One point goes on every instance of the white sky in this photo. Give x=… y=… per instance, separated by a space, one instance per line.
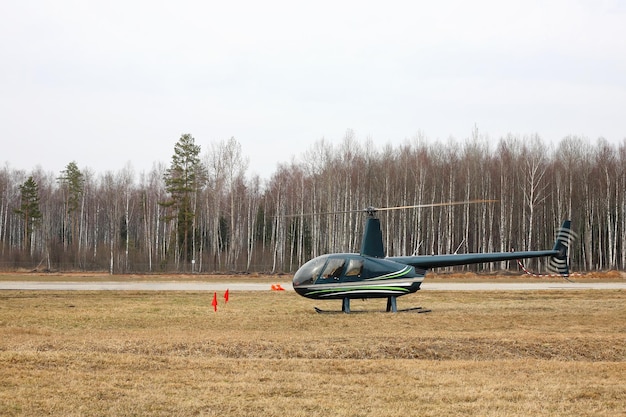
x=104 y=83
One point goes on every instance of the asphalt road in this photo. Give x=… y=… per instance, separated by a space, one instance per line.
x=240 y=286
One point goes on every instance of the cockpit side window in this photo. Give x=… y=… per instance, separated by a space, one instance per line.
x=355 y=266
x=333 y=268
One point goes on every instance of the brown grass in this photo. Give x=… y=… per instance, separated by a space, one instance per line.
x=268 y=353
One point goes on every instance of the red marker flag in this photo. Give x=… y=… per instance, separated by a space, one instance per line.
x=214 y=303
x=226 y=296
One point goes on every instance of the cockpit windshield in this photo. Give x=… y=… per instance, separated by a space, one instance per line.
x=308 y=273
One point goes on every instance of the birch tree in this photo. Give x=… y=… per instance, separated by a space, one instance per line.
x=533 y=169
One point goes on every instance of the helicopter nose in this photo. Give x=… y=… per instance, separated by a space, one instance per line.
x=301 y=277
x=298 y=287
x=296 y=281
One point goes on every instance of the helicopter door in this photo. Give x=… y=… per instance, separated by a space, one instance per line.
x=332 y=271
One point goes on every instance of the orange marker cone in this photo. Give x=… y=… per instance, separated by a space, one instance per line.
x=226 y=296
x=214 y=303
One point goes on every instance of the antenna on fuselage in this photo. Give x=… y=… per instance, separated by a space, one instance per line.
x=459 y=247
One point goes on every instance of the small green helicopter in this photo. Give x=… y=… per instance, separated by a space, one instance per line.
x=370 y=274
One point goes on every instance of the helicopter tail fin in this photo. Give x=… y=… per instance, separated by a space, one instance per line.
x=564 y=237
x=372 y=244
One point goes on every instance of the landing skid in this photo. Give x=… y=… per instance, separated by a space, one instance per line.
x=392 y=306
x=402 y=310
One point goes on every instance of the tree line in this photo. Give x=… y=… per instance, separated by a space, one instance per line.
x=203 y=213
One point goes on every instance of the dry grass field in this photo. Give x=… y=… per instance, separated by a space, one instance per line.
x=542 y=353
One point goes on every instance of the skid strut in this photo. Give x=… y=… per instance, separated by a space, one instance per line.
x=345 y=305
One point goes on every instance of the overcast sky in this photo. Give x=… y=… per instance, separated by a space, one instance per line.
x=107 y=82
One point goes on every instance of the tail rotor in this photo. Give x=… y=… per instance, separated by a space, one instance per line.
x=558 y=263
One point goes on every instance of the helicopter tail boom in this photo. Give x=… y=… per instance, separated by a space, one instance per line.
x=557 y=262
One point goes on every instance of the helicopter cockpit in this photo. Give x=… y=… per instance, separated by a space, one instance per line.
x=329 y=268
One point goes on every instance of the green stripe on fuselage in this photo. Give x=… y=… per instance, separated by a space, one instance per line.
x=359 y=288
x=392 y=275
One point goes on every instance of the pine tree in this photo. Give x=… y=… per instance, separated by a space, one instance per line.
x=183 y=179
x=73 y=182
x=29 y=209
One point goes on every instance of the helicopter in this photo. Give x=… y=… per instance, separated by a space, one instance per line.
x=372 y=274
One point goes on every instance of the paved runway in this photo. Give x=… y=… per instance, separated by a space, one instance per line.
x=240 y=286
x=138 y=286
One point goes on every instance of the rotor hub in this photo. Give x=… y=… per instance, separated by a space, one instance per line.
x=371 y=211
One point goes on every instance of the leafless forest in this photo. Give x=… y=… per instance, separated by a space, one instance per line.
x=127 y=222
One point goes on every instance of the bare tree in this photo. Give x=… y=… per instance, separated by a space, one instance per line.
x=534 y=164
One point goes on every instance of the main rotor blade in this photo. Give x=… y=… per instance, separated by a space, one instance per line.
x=324 y=213
x=372 y=210
x=451 y=203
